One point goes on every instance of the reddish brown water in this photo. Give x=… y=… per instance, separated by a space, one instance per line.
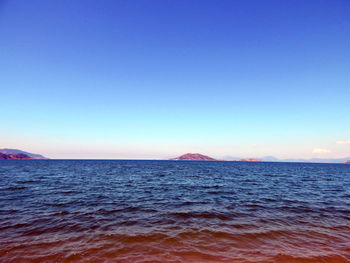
x=160 y=211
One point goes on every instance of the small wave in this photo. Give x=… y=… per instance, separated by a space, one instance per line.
x=203 y=215
x=312 y=259
x=61 y=213
x=17 y=188
x=131 y=209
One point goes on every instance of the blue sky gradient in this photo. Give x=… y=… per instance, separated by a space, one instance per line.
x=155 y=79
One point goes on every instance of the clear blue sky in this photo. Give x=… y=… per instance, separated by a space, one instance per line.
x=155 y=79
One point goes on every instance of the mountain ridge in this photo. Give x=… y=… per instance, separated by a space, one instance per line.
x=19 y=154
x=201 y=157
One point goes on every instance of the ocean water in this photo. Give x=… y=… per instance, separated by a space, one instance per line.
x=173 y=211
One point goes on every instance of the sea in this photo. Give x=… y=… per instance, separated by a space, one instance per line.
x=173 y=211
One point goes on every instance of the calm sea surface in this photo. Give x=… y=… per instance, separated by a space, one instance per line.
x=173 y=211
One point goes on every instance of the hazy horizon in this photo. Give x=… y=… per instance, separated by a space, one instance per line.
x=157 y=79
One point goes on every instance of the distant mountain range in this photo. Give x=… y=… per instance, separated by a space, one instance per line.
x=249 y=160
x=302 y=160
x=201 y=157
x=19 y=155
x=14 y=154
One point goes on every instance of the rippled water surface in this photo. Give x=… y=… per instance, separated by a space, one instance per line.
x=169 y=211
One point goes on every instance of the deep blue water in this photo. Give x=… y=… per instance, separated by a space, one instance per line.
x=173 y=211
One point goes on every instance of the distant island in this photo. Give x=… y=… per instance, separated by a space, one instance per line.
x=14 y=154
x=201 y=157
x=193 y=157
x=250 y=160
x=347 y=162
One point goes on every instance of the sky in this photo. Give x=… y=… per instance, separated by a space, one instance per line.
x=153 y=79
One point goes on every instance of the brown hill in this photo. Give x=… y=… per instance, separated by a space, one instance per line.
x=16 y=152
x=193 y=157
x=19 y=156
